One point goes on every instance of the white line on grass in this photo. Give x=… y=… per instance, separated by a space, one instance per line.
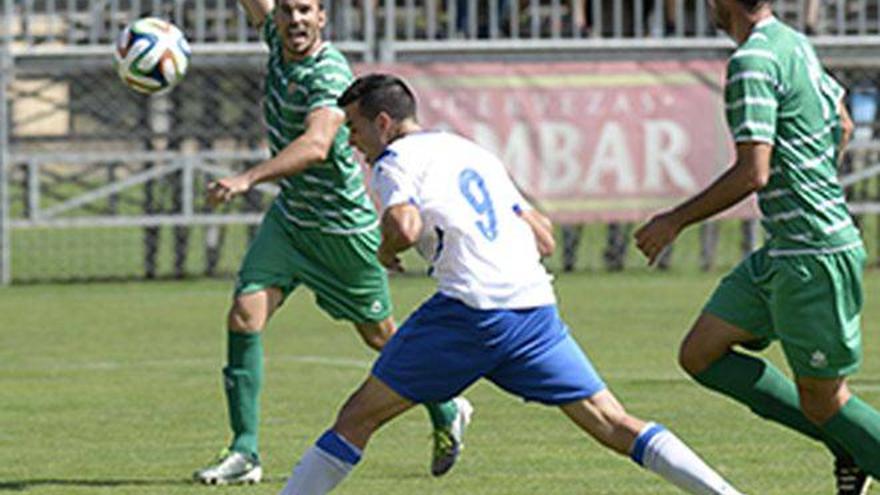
x=55 y=365
x=336 y=362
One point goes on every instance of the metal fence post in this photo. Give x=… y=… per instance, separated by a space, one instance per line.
x=369 y=24
x=5 y=161
x=386 y=49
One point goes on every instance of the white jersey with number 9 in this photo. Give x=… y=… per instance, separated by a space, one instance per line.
x=481 y=252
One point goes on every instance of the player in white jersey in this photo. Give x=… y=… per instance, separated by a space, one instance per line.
x=447 y=176
x=494 y=314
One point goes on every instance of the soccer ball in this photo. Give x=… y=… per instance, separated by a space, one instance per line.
x=151 y=55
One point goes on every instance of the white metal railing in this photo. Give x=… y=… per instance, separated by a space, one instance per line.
x=166 y=163
x=90 y=22
x=78 y=22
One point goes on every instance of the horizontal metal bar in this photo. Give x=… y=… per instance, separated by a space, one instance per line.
x=864 y=208
x=502 y=45
x=198 y=49
x=861 y=175
x=139 y=221
x=139 y=156
x=104 y=191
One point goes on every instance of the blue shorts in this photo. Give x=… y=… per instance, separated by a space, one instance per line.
x=445 y=346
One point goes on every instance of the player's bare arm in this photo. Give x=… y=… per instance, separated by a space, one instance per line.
x=401 y=228
x=749 y=173
x=542 y=227
x=846 y=129
x=313 y=146
x=257 y=10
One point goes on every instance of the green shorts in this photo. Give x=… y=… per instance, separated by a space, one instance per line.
x=810 y=303
x=342 y=270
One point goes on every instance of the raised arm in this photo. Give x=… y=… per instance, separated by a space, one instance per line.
x=313 y=146
x=257 y=10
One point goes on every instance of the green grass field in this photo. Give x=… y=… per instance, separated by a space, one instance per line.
x=115 y=388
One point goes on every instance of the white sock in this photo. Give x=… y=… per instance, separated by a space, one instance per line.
x=323 y=466
x=660 y=451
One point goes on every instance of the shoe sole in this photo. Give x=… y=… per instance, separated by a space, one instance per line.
x=252 y=477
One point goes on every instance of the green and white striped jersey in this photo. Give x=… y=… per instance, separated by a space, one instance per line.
x=328 y=196
x=777 y=92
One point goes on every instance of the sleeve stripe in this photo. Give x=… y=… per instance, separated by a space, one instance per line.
x=754 y=126
x=332 y=77
x=325 y=102
x=754 y=53
x=754 y=139
x=786 y=215
x=329 y=62
x=752 y=101
x=750 y=75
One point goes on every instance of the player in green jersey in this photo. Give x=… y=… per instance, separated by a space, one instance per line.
x=321 y=231
x=803 y=287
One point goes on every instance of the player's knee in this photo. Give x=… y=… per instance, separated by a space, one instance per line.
x=818 y=409
x=820 y=400
x=820 y=405
x=376 y=335
x=243 y=319
x=375 y=341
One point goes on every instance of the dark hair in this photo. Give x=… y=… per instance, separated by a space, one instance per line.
x=380 y=93
x=752 y=5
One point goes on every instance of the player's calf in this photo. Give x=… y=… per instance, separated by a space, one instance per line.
x=604 y=419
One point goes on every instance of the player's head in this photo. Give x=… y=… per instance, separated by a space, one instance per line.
x=724 y=10
x=299 y=24
x=378 y=109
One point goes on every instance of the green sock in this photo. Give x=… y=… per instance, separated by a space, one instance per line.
x=243 y=376
x=442 y=413
x=857 y=425
x=770 y=394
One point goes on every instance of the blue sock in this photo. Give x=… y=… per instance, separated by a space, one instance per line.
x=340 y=448
x=659 y=450
x=323 y=466
x=638 y=451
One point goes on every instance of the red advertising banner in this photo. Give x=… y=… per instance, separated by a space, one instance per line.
x=588 y=141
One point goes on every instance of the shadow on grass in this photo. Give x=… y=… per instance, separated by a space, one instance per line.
x=23 y=485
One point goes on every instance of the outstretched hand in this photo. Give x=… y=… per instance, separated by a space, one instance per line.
x=223 y=190
x=653 y=237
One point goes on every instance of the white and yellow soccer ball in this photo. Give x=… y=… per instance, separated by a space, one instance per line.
x=151 y=55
